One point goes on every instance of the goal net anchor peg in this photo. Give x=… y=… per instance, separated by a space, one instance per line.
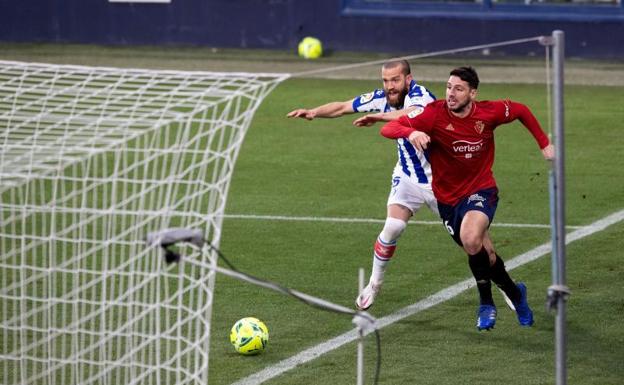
x=169 y=237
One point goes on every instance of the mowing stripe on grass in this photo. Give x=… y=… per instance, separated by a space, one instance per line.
x=435 y=299
x=371 y=220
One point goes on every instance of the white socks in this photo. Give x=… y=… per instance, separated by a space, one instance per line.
x=384 y=247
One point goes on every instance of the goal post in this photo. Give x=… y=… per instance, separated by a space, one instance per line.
x=92 y=160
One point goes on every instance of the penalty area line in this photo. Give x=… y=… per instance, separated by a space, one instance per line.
x=424 y=304
x=371 y=220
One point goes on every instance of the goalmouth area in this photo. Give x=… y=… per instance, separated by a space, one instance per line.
x=329 y=169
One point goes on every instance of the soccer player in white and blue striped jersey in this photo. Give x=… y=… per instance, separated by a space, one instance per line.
x=411 y=179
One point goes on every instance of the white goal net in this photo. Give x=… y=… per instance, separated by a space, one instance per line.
x=92 y=160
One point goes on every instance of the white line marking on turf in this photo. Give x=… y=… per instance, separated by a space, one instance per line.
x=372 y=220
x=435 y=299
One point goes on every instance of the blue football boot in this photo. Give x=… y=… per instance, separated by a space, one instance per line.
x=523 y=311
x=486 y=317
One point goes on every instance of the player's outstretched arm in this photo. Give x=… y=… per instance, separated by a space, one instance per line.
x=526 y=117
x=370 y=119
x=329 y=110
x=394 y=129
x=523 y=113
x=301 y=113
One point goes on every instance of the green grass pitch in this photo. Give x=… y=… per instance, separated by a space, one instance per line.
x=328 y=168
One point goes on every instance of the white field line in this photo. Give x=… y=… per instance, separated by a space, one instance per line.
x=372 y=220
x=435 y=299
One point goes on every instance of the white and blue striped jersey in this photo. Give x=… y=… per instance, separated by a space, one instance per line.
x=412 y=162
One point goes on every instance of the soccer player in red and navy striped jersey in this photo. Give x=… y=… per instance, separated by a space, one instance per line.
x=458 y=135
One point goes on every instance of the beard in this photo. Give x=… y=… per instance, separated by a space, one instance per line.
x=460 y=107
x=400 y=98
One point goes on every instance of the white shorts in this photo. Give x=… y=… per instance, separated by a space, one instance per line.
x=410 y=194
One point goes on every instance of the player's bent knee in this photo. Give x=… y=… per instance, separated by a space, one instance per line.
x=472 y=239
x=385 y=245
x=392 y=230
x=472 y=244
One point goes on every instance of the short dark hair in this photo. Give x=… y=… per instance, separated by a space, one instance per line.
x=401 y=62
x=467 y=74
